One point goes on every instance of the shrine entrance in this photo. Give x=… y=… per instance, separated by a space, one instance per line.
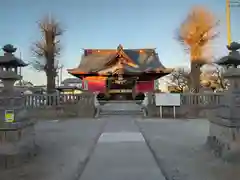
x=121 y=88
x=121 y=96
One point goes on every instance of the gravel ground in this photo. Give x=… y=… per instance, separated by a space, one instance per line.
x=64 y=147
x=180 y=149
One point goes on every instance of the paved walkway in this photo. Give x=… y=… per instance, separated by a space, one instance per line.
x=93 y=149
x=121 y=154
x=63 y=149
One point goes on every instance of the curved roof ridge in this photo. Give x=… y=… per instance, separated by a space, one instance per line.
x=114 y=49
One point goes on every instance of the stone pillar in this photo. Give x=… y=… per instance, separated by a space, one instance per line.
x=151 y=108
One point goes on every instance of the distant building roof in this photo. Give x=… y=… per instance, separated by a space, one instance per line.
x=71 y=80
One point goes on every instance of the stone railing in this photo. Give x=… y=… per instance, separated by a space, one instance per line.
x=201 y=100
x=42 y=101
x=36 y=101
x=192 y=105
x=60 y=106
x=75 y=104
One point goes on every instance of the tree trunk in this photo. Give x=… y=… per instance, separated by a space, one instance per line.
x=51 y=74
x=195 y=76
x=50 y=82
x=50 y=88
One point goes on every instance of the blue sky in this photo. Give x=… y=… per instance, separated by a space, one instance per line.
x=105 y=24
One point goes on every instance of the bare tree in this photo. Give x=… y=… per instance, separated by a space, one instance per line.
x=47 y=50
x=214 y=74
x=179 y=78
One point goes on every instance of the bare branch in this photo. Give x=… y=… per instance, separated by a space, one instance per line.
x=179 y=78
x=47 y=50
x=214 y=74
x=38 y=65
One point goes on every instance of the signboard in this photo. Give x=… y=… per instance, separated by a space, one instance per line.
x=9 y=116
x=167 y=99
x=121 y=83
x=120 y=91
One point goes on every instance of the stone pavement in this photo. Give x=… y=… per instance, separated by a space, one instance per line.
x=64 y=147
x=121 y=154
x=180 y=148
x=113 y=148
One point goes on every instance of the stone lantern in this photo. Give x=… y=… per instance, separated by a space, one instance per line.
x=224 y=134
x=231 y=63
x=230 y=103
x=9 y=65
x=16 y=130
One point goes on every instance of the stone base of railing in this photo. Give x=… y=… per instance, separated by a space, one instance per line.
x=17 y=144
x=62 y=112
x=224 y=139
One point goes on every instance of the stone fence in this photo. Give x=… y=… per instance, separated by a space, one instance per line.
x=43 y=101
x=60 y=106
x=83 y=105
x=193 y=105
x=201 y=100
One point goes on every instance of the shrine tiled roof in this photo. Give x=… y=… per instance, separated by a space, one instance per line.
x=95 y=61
x=144 y=60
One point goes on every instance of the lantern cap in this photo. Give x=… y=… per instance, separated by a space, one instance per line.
x=233 y=58
x=8 y=59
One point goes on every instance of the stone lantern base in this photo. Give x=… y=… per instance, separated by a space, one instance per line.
x=17 y=145
x=17 y=138
x=224 y=130
x=224 y=140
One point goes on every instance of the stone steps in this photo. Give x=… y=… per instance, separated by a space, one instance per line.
x=120 y=108
x=121 y=112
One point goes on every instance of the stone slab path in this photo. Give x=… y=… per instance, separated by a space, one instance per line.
x=63 y=149
x=121 y=154
x=181 y=151
x=113 y=148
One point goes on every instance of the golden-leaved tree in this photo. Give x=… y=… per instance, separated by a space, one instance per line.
x=195 y=32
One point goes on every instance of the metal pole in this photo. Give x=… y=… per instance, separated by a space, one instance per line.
x=57 y=78
x=20 y=69
x=61 y=71
x=228 y=21
x=174 y=112
x=56 y=64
